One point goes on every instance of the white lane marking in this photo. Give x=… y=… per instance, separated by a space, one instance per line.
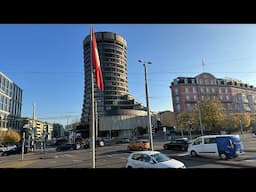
x=76 y=160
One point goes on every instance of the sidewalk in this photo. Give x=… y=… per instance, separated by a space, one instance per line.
x=15 y=161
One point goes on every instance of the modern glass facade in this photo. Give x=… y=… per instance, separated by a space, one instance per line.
x=10 y=103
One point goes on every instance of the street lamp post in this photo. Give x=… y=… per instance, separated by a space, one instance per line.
x=190 y=126
x=147 y=100
x=241 y=126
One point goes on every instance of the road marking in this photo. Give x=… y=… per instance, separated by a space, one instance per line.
x=67 y=155
x=76 y=160
x=250 y=160
x=53 y=162
x=179 y=154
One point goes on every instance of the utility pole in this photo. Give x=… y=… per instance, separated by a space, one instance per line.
x=190 y=126
x=148 y=107
x=33 y=128
x=23 y=145
x=96 y=120
x=241 y=126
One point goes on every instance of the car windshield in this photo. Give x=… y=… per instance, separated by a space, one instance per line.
x=159 y=157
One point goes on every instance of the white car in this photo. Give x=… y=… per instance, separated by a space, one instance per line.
x=152 y=159
x=7 y=147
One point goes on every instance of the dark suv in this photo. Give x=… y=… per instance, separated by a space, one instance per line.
x=180 y=144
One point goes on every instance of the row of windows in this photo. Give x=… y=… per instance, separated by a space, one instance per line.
x=113 y=51
x=115 y=79
x=123 y=61
x=113 y=93
x=114 y=65
x=205 y=82
x=116 y=83
x=203 y=90
x=190 y=107
x=115 y=88
x=111 y=46
x=195 y=98
x=113 y=69
x=87 y=60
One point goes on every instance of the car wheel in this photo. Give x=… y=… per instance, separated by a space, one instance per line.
x=129 y=167
x=165 y=147
x=4 y=154
x=193 y=154
x=141 y=148
x=223 y=156
x=182 y=148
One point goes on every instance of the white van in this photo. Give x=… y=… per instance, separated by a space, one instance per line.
x=222 y=146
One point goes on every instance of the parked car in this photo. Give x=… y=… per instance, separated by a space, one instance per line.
x=152 y=159
x=123 y=140
x=139 y=145
x=16 y=150
x=3 y=148
x=180 y=144
x=66 y=147
x=6 y=147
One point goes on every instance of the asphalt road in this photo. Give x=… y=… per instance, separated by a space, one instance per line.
x=115 y=156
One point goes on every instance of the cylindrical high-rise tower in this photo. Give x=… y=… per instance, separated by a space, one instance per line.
x=115 y=97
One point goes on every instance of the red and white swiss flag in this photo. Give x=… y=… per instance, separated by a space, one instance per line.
x=96 y=61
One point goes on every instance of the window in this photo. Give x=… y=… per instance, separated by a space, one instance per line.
x=197 y=141
x=209 y=140
x=186 y=90
x=187 y=97
x=177 y=99
x=148 y=159
x=176 y=91
x=195 y=97
x=229 y=106
x=137 y=157
x=178 y=108
x=189 y=108
x=194 y=90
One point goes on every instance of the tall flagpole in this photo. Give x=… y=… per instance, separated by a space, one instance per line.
x=92 y=109
x=203 y=64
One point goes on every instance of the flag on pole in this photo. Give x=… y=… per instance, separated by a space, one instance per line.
x=203 y=65
x=96 y=61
